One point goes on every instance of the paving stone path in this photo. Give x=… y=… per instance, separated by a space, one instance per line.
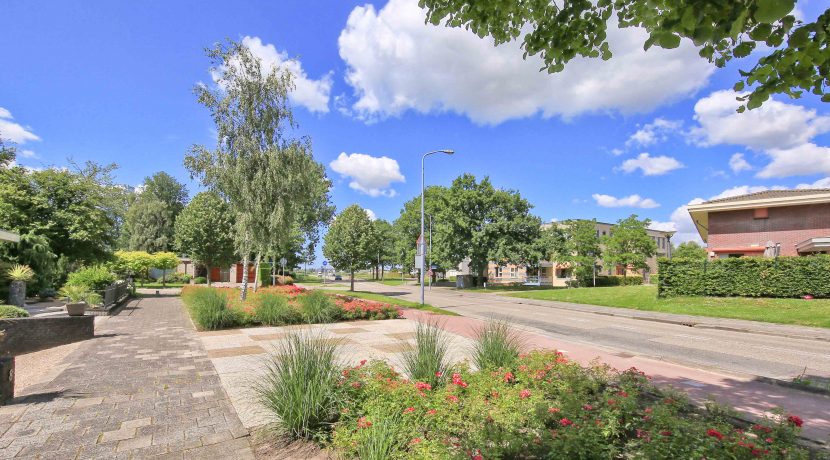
x=144 y=387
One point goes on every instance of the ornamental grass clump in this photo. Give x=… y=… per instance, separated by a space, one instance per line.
x=209 y=309
x=378 y=440
x=10 y=311
x=273 y=309
x=427 y=361
x=300 y=386
x=496 y=345
x=317 y=307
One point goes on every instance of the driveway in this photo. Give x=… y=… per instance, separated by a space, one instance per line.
x=736 y=346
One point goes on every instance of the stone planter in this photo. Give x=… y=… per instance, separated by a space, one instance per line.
x=76 y=308
x=17 y=293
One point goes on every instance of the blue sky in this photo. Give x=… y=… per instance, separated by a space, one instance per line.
x=644 y=133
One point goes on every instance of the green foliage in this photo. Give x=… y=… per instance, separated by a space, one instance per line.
x=689 y=251
x=203 y=231
x=272 y=309
x=152 y=214
x=428 y=360
x=200 y=280
x=619 y=280
x=794 y=57
x=629 y=244
x=497 y=345
x=301 y=385
x=210 y=310
x=543 y=407
x=349 y=242
x=746 y=276
x=80 y=293
x=582 y=249
x=317 y=307
x=97 y=277
x=20 y=273
x=133 y=263
x=10 y=311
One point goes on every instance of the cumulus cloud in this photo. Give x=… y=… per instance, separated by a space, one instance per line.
x=651 y=166
x=654 y=132
x=631 y=201
x=370 y=175
x=14 y=132
x=737 y=163
x=781 y=131
x=372 y=215
x=309 y=93
x=396 y=62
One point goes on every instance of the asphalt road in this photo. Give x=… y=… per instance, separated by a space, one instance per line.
x=739 y=347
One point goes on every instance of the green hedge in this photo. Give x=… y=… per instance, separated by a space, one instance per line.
x=746 y=277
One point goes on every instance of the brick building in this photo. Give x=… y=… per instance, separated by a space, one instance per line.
x=774 y=222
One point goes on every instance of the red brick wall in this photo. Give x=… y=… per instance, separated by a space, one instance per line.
x=786 y=225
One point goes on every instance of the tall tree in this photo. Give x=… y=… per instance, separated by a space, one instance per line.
x=268 y=178
x=629 y=244
x=478 y=222
x=203 y=231
x=690 y=251
x=152 y=214
x=349 y=243
x=384 y=245
x=407 y=227
x=7 y=154
x=794 y=53
x=582 y=249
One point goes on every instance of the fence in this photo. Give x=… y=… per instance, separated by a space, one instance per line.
x=116 y=292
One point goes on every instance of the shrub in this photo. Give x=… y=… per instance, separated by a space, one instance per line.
x=352 y=309
x=427 y=361
x=209 y=309
x=47 y=292
x=746 y=276
x=284 y=280
x=96 y=278
x=317 y=307
x=300 y=385
x=10 y=311
x=21 y=273
x=200 y=280
x=544 y=407
x=273 y=309
x=80 y=293
x=496 y=345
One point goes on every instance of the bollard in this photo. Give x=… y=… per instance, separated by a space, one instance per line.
x=6 y=379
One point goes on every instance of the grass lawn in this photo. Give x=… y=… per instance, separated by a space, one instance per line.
x=503 y=289
x=393 y=281
x=783 y=311
x=394 y=301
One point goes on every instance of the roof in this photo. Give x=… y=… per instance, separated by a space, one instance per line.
x=766 y=199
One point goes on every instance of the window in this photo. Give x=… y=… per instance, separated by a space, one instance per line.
x=497 y=272
x=603 y=233
x=761 y=213
x=514 y=272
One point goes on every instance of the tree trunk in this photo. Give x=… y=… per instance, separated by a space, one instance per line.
x=273 y=273
x=207 y=278
x=256 y=272
x=243 y=294
x=351 y=277
x=163 y=277
x=382 y=272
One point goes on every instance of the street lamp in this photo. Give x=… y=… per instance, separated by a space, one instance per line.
x=422 y=243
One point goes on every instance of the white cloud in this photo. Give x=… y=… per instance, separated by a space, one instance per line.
x=370 y=175
x=396 y=63
x=654 y=132
x=309 y=93
x=28 y=154
x=372 y=215
x=617 y=152
x=737 y=163
x=14 y=132
x=651 y=166
x=631 y=201
x=802 y=160
x=821 y=183
x=774 y=125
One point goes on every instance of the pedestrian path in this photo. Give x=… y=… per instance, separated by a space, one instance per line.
x=143 y=387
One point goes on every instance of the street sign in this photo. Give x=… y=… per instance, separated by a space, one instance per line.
x=283 y=261
x=325 y=262
x=419 y=262
x=433 y=267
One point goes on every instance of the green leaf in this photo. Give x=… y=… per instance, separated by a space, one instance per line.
x=799 y=38
x=668 y=41
x=825 y=98
x=743 y=49
x=689 y=19
x=760 y=32
x=769 y=11
x=738 y=86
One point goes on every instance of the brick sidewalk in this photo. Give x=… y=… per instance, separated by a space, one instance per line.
x=143 y=387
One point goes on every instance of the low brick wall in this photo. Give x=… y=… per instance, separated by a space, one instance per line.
x=26 y=335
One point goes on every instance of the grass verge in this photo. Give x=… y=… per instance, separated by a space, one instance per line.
x=782 y=311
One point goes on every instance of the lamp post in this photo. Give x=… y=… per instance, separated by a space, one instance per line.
x=422 y=242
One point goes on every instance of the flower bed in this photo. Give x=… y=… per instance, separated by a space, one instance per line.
x=217 y=308
x=545 y=407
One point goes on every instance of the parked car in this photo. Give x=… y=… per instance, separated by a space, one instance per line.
x=338 y=278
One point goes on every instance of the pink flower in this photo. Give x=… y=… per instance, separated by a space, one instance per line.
x=588 y=407
x=553 y=410
x=452 y=398
x=431 y=412
x=565 y=422
x=714 y=433
x=363 y=423
x=508 y=377
x=415 y=441
x=795 y=420
x=408 y=410
x=421 y=386
x=457 y=380
x=524 y=394
x=439 y=374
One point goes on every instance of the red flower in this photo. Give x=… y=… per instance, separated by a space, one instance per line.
x=439 y=374
x=431 y=412
x=714 y=433
x=408 y=410
x=622 y=393
x=508 y=377
x=452 y=398
x=524 y=394
x=588 y=407
x=553 y=410
x=665 y=433
x=356 y=385
x=795 y=420
x=421 y=386
x=415 y=441
x=565 y=422
x=363 y=423
x=456 y=380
